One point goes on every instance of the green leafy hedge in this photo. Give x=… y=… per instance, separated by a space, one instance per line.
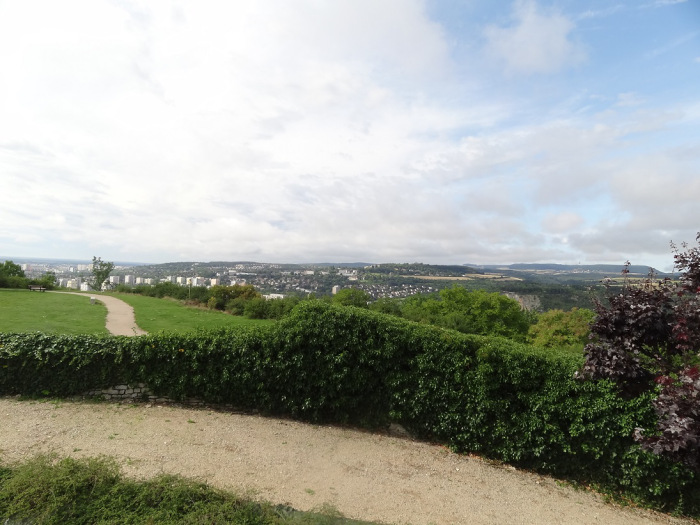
x=328 y=363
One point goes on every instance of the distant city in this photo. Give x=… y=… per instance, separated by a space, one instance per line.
x=535 y=286
x=273 y=280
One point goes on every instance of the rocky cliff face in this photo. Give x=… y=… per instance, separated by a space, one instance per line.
x=527 y=302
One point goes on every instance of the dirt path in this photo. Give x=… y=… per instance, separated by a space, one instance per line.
x=120 y=315
x=368 y=476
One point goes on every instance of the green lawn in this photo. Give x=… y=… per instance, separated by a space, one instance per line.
x=155 y=315
x=25 y=311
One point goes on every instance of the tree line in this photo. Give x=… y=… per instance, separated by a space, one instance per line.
x=12 y=276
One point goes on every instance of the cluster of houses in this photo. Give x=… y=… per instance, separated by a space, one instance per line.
x=78 y=283
x=267 y=278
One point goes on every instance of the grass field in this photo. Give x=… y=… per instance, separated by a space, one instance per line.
x=25 y=311
x=155 y=315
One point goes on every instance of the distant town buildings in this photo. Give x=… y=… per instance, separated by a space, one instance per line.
x=271 y=280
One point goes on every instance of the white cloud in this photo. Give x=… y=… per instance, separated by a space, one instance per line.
x=629 y=99
x=303 y=131
x=536 y=42
x=663 y=3
x=563 y=222
x=601 y=13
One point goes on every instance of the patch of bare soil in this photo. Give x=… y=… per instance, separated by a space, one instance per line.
x=368 y=476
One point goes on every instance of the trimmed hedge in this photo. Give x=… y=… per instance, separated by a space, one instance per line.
x=326 y=363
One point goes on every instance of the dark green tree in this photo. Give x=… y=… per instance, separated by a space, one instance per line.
x=10 y=269
x=352 y=297
x=99 y=273
x=470 y=312
x=231 y=298
x=386 y=305
x=560 y=329
x=12 y=275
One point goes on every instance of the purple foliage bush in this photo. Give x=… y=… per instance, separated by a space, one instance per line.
x=648 y=337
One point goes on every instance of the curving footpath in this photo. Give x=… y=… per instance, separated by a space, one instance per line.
x=120 y=315
x=364 y=475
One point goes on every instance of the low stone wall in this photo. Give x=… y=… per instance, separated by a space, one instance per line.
x=137 y=392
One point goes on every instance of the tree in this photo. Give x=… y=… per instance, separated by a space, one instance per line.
x=257 y=308
x=386 y=305
x=48 y=280
x=10 y=269
x=100 y=273
x=12 y=275
x=647 y=338
x=232 y=298
x=560 y=329
x=352 y=297
x=470 y=312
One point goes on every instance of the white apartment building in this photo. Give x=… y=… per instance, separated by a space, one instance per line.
x=74 y=283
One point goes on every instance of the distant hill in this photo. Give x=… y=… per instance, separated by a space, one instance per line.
x=609 y=269
x=414 y=269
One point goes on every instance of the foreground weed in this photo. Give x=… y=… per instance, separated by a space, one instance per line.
x=47 y=490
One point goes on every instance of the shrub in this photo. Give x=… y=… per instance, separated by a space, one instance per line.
x=648 y=341
x=328 y=363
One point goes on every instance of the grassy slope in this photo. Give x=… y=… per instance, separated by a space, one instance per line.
x=155 y=315
x=25 y=311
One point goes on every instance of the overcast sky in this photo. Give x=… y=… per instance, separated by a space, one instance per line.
x=455 y=131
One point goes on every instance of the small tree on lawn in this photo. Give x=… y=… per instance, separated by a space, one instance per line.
x=100 y=273
x=648 y=337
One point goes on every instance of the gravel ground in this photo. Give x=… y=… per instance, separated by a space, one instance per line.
x=369 y=476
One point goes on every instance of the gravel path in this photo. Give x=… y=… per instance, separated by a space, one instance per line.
x=364 y=475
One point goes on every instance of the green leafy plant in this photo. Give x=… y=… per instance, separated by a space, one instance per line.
x=648 y=340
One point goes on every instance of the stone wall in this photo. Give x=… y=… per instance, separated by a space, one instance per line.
x=138 y=392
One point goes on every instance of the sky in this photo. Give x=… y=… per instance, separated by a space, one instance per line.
x=292 y=131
